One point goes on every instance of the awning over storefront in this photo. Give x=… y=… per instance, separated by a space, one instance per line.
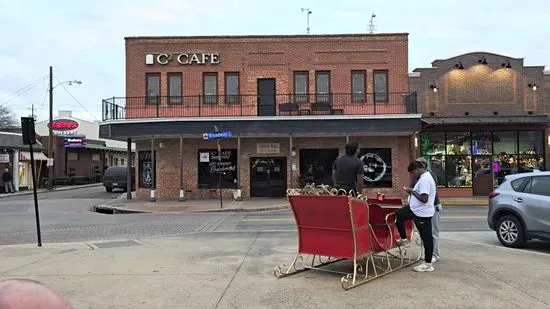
x=38 y=156
x=485 y=120
x=398 y=125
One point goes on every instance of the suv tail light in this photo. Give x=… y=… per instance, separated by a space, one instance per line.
x=493 y=194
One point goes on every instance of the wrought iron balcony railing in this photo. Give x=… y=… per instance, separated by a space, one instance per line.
x=259 y=105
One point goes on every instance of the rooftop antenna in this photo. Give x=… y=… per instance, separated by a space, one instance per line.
x=371 y=23
x=308 y=12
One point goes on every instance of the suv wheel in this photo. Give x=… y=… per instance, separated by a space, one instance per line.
x=510 y=232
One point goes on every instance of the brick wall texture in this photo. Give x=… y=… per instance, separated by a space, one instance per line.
x=169 y=162
x=481 y=89
x=254 y=57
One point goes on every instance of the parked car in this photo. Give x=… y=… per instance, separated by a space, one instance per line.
x=115 y=178
x=519 y=209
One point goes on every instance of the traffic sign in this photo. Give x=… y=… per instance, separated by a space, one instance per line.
x=214 y=135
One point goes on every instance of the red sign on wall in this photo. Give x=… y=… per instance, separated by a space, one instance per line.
x=64 y=125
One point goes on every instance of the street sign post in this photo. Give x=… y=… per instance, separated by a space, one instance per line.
x=29 y=138
x=217 y=135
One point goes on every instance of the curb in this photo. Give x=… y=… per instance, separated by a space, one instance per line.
x=30 y=192
x=104 y=208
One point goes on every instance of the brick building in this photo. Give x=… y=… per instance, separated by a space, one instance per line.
x=290 y=103
x=484 y=116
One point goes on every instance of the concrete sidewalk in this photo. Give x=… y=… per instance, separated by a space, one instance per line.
x=235 y=270
x=122 y=205
x=58 y=188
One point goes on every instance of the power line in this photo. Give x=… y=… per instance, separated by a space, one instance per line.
x=76 y=100
x=21 y=91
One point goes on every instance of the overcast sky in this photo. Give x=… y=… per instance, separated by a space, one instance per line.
x=84 y=40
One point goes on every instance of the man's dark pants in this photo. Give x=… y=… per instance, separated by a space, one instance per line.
x=424 y=226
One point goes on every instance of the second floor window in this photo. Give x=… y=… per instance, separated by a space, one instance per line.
x=174 y=88
x=301 y=86
x=322 y=87
x=232 y=87
x=381 y=86
x=153 y=88
x=210 y=88
x=358 y=86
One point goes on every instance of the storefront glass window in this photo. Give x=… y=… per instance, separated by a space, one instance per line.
x=503 y=165
x=433 y=143
x=482 y=143
x=505 y=142
x=437 y=165
x=458 y=143
x=458 y=171
x=527 y=163
x=316 y=165
x=531 y=142
x=209 y=167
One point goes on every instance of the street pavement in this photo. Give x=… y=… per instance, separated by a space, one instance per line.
x=65 y=216
x=235 y=270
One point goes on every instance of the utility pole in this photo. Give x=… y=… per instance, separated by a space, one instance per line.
x=50 y=134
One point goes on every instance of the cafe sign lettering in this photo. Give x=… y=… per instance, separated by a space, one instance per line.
x=183 y=58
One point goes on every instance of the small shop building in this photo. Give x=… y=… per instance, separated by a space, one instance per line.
x=80 y=155
x=484 y=116
x=257 y=115
x=16 y=157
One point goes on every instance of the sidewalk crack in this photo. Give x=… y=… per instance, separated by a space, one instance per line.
x=237 y=271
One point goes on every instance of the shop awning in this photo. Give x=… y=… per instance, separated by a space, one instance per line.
x=485 y=120
x=38 y=156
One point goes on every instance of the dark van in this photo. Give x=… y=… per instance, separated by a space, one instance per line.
x=115 y=178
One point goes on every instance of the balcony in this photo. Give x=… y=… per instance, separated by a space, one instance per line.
x=119 y=108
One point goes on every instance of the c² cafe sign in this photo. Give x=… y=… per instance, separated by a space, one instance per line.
x=184 y=58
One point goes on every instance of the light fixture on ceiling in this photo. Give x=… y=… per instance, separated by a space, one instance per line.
x=459 y=65
x=482 y=61
x=433 y=87
x=507 y=64
x=532 y=85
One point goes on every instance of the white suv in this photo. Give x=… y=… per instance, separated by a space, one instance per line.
x=519 y=209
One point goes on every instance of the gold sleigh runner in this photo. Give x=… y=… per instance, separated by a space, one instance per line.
x=336 y=226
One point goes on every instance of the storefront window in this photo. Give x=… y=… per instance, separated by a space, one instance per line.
x=531 y=142
x=505 y=142
x=469 y=156
x=316 y=165
x=528 y=163
x=458 y=171
x=210 y=165
x=458 y=143
x=503 y=165
x=377 y=167
x=437 y=165
x=433 y=143
x=146 y=170
x=482 y=143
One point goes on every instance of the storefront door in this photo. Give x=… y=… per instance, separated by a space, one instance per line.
x=266 y=97
x=267 y=177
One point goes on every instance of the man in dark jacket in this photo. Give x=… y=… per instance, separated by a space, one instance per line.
x=7 y=178
x=347 y=171
x=437 y=215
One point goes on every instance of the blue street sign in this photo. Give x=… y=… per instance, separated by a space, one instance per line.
x=214 y=135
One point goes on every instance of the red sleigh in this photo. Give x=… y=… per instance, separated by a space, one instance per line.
x=333 y=228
